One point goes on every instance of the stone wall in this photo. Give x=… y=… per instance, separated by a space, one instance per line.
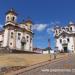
x=8 y=50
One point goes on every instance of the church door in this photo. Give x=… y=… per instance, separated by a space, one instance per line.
x=23 y=42
x=22 y=46
x=65 y=49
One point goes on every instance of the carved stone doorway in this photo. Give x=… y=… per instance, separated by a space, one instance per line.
x=65 y=48
x=23 y=42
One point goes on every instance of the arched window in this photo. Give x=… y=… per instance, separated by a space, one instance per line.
x=56 y=31
x=64 y=41
x=13 y=18
x=70 y=28
x=19 y=35
x=10 y=43
x=27 y=38
x=68 y=39
x=60 y=40
x=7 y=17
x=30 y=40
x=11 y=34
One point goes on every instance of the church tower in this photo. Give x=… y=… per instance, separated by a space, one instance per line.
x=11 y=16
x=29 y=23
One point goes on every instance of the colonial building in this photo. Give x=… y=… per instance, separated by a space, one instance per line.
x=65 y=37
x=16 y=35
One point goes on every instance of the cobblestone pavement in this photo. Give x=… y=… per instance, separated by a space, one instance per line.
x=66 y=66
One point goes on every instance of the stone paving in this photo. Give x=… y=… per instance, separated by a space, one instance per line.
x=66 y=66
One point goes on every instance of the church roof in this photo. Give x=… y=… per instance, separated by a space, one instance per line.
x=28 y=21
x=64 y=33
x=71 y=23
x=11 y=11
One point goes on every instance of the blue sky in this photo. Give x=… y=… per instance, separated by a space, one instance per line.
x=44 y=14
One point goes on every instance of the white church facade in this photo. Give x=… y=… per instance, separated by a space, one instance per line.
x=65 y=38
x=16 y=35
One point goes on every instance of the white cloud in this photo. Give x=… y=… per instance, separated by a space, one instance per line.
x=52 y=25
x=50 y=30
x=55 y=23
x=39 y=27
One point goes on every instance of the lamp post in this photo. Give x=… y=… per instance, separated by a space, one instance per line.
x=49 y=45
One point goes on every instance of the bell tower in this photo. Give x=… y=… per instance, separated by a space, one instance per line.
x=11 y=16
x=29 y=23
x=57 y=30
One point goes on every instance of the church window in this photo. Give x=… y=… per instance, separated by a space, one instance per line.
x=60 y=40
x=11 y=34
x=67 y=29
x=7 y=17
x=70 y=28
x=56 y=31
x=10 y=43
x=13 y=18
x=19 y=34
x=30 y=40
x=27 y=38
x=64 y=41
x=68 y=39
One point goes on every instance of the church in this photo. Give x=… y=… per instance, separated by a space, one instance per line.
x=65 y=38
x=16 y=36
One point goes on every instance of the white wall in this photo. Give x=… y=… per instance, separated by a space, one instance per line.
x=70 y=43
x=31 y=44
x=46 y=52
x=27 y=46
x=1 y=38
x=59 y=45
x=5 y=39
x=18 y=42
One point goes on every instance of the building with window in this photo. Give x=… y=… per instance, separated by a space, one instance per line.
x=16 y=35
x=65 y=37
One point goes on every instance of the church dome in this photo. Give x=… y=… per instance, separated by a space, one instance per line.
x=28 y=21
x=12 y=11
